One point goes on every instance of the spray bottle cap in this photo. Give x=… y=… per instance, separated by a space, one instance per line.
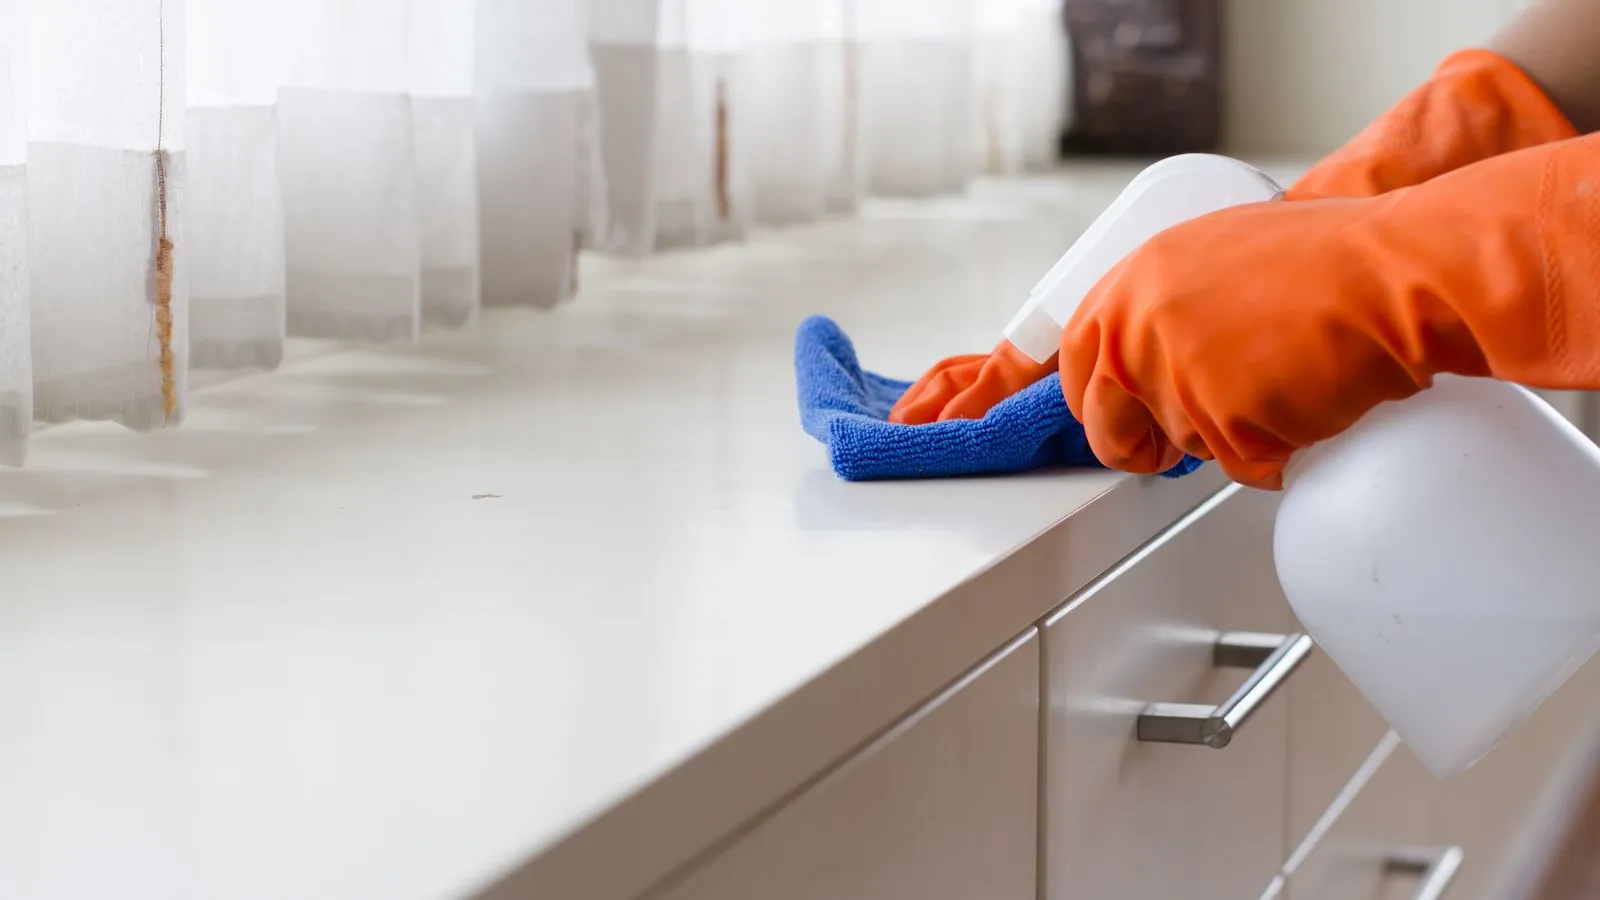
x=1167 y=193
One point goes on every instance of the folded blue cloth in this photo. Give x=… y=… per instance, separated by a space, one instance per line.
x=847 y=409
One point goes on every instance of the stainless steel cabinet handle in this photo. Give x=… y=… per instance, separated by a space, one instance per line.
x=1437 y=869
x=1272 y=656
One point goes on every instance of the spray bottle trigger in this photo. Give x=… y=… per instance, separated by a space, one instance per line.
x=1167 y=193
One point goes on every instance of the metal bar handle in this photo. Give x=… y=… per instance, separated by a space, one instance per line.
x=1437 y=869
x=1274 y=657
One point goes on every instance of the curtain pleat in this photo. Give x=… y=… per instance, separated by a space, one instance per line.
x=1022 y=84
x=235 y=253
x=108 y=295
x=717 y=34
x=630 y=61
x=16 y=354
x=844 y=125
x=781 y=95
x=196 y=182
x=917 y=80
x=444 y=128
x=683 y=149
x=538 y=148
x=346 y=161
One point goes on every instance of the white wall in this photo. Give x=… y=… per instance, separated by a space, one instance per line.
x=1305 y=75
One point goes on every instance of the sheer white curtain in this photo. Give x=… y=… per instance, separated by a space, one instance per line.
x=843 y=124
x=1022 y=78
x=108 y=302
x=629 y=57
x=543 y=184
x=235 y=254
x=1040 y=82
x=367 y=169
x=699 y=185
x=718 y=33
x=442 y=47
x=16 y=357
x=917 y=81
x=789 y=108
x=346 y=162
x=689 y=192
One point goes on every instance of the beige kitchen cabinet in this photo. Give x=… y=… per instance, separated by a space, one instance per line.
x=942 y=807
x=1495 y=824
x=1132 y=819
x=1095 y=798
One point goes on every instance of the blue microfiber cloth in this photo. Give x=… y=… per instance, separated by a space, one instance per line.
x=847 y=408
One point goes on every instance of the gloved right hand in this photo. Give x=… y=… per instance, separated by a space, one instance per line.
x=1250 y=333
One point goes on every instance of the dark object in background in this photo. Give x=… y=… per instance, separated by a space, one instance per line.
x=1146 y=76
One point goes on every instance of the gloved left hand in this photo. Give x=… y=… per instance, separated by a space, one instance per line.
x=966 y=387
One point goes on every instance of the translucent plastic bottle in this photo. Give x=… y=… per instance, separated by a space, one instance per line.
x=1444 y=552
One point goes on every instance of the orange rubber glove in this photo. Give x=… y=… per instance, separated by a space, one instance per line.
x=966 y=387
x=1478 y=104
x=1250 y=333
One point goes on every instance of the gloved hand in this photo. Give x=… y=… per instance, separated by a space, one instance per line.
x=1477 y=105
x=966 y=387
x=1250 y=333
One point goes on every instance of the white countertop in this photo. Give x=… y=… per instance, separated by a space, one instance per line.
x=389 y=625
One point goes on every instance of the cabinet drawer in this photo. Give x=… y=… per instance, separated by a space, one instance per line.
x=945 y=805
x=1500 y=810
x=1332 y=729
x=1500 y=814
x=1377 y=846
x=1140 y=820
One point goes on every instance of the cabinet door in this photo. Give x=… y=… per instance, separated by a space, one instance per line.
x=1139 y=820
x=943 y=807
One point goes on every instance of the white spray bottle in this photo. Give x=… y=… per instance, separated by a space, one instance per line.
x=1444 y=552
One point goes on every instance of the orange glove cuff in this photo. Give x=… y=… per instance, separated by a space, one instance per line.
x=1477 y=105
